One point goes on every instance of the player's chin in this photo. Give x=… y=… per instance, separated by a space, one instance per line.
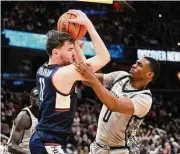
x=69 y=62
x=131 y=73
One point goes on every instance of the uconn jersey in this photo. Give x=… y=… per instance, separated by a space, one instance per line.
x=117 y=129
x=57 y=110
x=24 y=144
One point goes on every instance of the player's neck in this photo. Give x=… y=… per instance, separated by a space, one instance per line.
x=53 y=61
x=138 y=84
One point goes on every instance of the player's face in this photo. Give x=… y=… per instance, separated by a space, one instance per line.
x=141 y=70
x=34 y=97
x=67 y=53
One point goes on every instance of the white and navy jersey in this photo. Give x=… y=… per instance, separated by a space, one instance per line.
x=118 y=129
x=56 y=109
x=24 y=144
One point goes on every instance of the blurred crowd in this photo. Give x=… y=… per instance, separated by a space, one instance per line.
x=114 y=25
x=159 y=133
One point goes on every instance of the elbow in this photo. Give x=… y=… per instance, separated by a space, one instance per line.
x=105 y=56
x=108 y=56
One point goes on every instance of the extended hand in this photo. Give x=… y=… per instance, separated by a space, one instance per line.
x=81 y=17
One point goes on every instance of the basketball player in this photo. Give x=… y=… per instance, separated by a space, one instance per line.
x=125 y=105
x=24 y=126
x=56 y=81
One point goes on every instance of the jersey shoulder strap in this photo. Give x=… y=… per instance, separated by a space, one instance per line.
x=30 y=115
x=121 y=78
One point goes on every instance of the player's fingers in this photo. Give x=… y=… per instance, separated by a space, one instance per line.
x=72 y=20
x=83 y=66
x=76 y=64
x=74 y=12
x=77 y=69
x=79 y=66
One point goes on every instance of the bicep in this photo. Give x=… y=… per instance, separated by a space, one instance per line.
x=96 y=63
x=22 y=122
x=16 y=135
x=65 y=77
x=124 y=105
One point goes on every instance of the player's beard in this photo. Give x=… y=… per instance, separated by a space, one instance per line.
x=66 y=62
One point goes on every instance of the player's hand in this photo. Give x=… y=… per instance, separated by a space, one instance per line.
x=81 y=19
x=86 y=71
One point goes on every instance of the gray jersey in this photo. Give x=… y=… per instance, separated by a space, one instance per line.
x=28 y=133
x=118 y=129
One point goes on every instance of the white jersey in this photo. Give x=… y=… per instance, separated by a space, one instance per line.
x=28 y=133
x=118 y=129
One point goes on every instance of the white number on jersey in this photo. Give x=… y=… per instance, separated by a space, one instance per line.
x=42 y=86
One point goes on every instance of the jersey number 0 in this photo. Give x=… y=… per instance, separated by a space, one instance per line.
x=107 y=115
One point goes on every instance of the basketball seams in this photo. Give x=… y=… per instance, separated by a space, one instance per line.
x=73 y=28
x=69 y=24
x=77 y=31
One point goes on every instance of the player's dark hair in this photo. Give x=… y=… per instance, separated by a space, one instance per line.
x=56 y=39
x=155 y=67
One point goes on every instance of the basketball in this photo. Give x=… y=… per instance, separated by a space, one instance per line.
x=77 y=31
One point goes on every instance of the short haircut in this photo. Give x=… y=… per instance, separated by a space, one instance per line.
x=56 y=39
x=155 y=67
x=34 y=91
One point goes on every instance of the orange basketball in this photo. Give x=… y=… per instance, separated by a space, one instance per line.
x=76 y=30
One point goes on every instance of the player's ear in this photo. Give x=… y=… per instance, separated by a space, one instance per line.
x=150 y=75
x=54 y=51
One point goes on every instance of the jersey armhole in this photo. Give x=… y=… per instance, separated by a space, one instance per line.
x=29 y=117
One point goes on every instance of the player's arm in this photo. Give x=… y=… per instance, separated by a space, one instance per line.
x=79 y=52
x=138 y=105
x=67 y=75
x=106 y=79
x=22 y=122
x=102 y=56
x=99 y=76
x=122 y=105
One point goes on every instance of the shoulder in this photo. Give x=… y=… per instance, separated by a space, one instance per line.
x=64 y=70
x=122 y=74
x=119 y=75
x=23 y=120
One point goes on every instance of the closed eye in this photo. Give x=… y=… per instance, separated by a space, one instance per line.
x=139 y=63
x=70 y=49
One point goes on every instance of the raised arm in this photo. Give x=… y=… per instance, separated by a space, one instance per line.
x=79 y=52
x=102 y=56
x=22 y=122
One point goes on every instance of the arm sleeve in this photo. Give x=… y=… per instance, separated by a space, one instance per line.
x=109 y=79
x=142 y=104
